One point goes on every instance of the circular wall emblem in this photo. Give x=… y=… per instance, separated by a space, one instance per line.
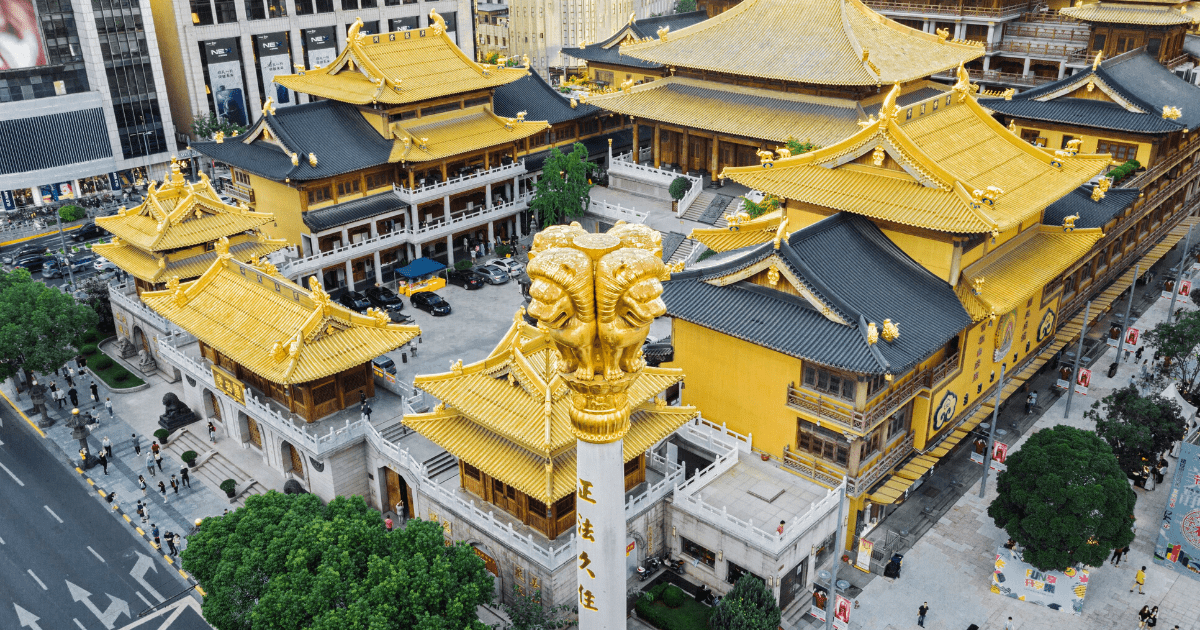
x=945 y=410
x=1191 y=528
x=1046 y=327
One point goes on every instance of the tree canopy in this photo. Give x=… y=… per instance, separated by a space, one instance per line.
x=563 y=188
x=94 y=293
x=1064 y=499
x=40 y=327
x=205 y=127
x=685 y=6
x=1137 y=428
x=750 y=605
x=1177 y=342
x=287 y=562
x=526 y=612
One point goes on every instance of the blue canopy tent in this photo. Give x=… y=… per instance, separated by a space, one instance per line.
x=420 y=268
x=418 y=275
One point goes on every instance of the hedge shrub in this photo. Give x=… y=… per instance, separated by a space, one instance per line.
x=72 y=213
x=679 y=187
x=463 y=265
x=673 y=596
x=1124 y=170
x=88 y=349
x=103 y=363
x=688 y=616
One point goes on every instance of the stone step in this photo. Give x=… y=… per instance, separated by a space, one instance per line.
x=699 y=205
x=440 y=463
x=394 y=431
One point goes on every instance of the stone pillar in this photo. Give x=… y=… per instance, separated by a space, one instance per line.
x=378 y=270
x=412 y=219
x=991 y=38
x=927 y=26
x=1025 y=72
x=345 y=237
x=449 y=250
x=600 y=535
x=446 y=209
x=959 y=27
x=492 y=233
x=487 y=195
x=1062 y=69
x=987 y=63
x=657 y=136
x=350 y=275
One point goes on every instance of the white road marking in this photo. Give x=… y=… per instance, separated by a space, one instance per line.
x=10 y=474
x=1 y=541
x=96 y=554
x=146 y=563
x=144 y=600
x=81 y=626
x=37 y=580
x=52 y=513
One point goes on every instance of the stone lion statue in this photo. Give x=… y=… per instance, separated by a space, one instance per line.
x=173 y=405
x=563 y=302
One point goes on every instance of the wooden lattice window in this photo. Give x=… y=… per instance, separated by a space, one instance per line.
x=354 y=380
x=324 y=393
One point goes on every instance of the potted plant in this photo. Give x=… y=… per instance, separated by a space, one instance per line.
x=229 y=486
x=189 y=458
x=162 y=434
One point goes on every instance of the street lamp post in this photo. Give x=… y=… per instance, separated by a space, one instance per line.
x=1187 y=243
x=79 y=431
x=37 y=396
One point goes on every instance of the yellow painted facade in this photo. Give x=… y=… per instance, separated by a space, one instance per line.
x=288 y=202
x=1056 y=136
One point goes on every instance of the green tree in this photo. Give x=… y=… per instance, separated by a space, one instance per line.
x=1177 y=343
x=679 y=187
x=205 y=127
x=1137 y=428
x=71 y=213
x=750 y=605
x=285 y=562
x=563 y=189
x=770 y=203
x=1064 y=499
x=40 y=327
x=797 y=147
x=528 y=613
x=685 y=6
x=94 y=293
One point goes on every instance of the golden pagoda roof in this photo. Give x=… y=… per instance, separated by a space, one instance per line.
x=941 y=164
x=828 y=42
x=508 y=414
x=736 y=235
x=159 y=268
x=1145 y=14
x=178 y=214
x=273 y=327
x=457 y=132
x=1009 y=276
x=399 y=67
x=735 y=110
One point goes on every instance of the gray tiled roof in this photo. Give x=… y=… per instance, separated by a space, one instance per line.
x=350 y=211
x=647 y=27
x=849 y=264
x=341 y=139
x=532 y=95
x=1092 y=214
x=1136 y=76
x=597 y=147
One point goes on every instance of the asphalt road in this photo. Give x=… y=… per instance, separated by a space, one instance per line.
x=52 y=242
x=65 y=559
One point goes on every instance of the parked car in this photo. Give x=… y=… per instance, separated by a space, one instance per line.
x=383 y=297
x=385 y=363
x=430 y=302
x=492 y=273
x=88 y=232
x=466 y=279
x=103 y=264
x=32 y=262
x=510 y=265
x=354 y=301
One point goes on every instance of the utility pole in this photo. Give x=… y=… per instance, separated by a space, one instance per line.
x=1187 y=243
x=839 y=545
x=1087 y=312
x=66 y=259
x=1128 y=310
x=987 y=455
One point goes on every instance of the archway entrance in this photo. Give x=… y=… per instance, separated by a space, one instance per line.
x=212 y=408
x=399 y=494
x=139 y=340
x=492 y=567
x=292 y=460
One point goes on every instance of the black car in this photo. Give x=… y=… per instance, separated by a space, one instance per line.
x=87 y=233
x=430 y=302
x=32 y=262
x=466 y=279
x=354 y=301
x=383 y=297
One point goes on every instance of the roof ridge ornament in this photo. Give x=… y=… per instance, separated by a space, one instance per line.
x=1099 y=58
x=781 y=232
x=1171 y=113
x=889 y=110
x=222 y=247
x=963 y=87
x=890 y=332
x=1102 y=186
x=269 y=107
x=439 y=23
x=663 y=32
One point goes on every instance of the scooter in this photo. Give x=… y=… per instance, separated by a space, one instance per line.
x=644 y=573
x=674 y=565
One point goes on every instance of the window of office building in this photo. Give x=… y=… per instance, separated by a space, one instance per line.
x=324 y=6
x=255 y=10
x=349 y=5
x=202 y=13
x=226 y=11
x=404 y=23
x=304 y=7
x=121 y=32
x=60 y=70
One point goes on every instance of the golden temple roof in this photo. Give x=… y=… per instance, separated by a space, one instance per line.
x=1009 y=276
x=747 y=233
x=159 y=268
x=178 y=214
x=735 y=110
x=508 y=414
x=399 y=67
x=273 y=327
x=456 y=132
x=942 y=164
x=1146 y=14
x=829 y=42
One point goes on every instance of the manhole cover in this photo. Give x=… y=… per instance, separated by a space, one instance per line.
x=931 y=491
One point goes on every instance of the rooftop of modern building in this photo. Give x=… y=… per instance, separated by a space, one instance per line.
x=760 y=492
x=609 y=50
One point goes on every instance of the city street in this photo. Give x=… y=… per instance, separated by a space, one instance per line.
x=67 y=562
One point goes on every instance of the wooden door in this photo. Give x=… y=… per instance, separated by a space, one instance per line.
x=399 y=494
x=297 y=461
x=699 y=153
x=216 y=408
x=255 y=436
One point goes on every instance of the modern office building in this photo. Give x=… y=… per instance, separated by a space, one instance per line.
x=82 y=107
x=541 y=31
x=222 y=55
x=491 y=28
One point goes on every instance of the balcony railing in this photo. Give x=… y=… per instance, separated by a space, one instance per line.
x=1062 y=52
x=238 y=192
x=811 y=468
x=622 y=165
x=458 y=184
x=886 y=6
x=993 y=76
x=1035 y=31
x=1164 y=165
x=866 y=479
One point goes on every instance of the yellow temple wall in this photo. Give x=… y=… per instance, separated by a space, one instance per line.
x=739 y=383
x=801 y=215
x=620 y=74
x=934 y=251
x=1054 y=135
x=285 y=203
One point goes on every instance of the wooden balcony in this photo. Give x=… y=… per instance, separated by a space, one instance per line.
x=955 y=9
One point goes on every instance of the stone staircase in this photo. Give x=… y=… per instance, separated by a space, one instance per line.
x=700 y=205
x=684 y=251
x=211 y=466
x=440 y=463
x=394 y=430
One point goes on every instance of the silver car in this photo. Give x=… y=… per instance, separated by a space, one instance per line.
x=492 y=273
x=509 y=265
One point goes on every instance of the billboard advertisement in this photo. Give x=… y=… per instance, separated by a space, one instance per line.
x=20 y=36
x=274 y=58
x=320 y=46
x=1059 y=590
x=224 y=63
x=1178 y=543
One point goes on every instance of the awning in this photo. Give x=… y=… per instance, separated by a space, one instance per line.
x=420 y=267
x=892 y=490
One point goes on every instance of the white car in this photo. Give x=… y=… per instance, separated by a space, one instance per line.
x=103 y=264
x=508 y=264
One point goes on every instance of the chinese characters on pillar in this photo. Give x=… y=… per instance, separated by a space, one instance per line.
x=587 y=534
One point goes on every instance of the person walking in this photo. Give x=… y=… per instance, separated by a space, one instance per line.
x=74 y=396
x=141 y=511
x=387 y=523
x=71 y=378
x=1117 y=555
x=137 y=443
x=103 y=461
x=158 y=461
x=146 y=511
x=154 y=447
x=174 y=484
x=1137 y=356
x=212 y=433
x=1152 y=620
x=171 y=542
x=366 y=412
x=178 y=544
x=150 y=463
x=95 y=392
x=1009 y=625
x=1143 y=615
x=107 y=443
x=108 y=406
x=162 y=490
x=142 y=484
x=921 y=612
x=154 y=532
x=60 y=396
x=184 y=479
x=1139 y=581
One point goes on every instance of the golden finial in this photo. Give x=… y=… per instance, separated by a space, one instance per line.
x=977 y=285
x=219 y=137
x=890 y=332
x=269 y=106
x=525 y=60
x=295 y=159
x=1008 y=94
x=574 y=103
x=631 y=17
x=440 y=407
x=352 y=32
x=456 y=367
x=521 y=116
x=235 y=133
x=872 y=334
x=1101 y=188
x=439 y=23
x=1171 y=113
x=162 y=262
x=312 y=160
x=660 y=403
x=662 y=33
x=963 y=86
x=1099 y=58
x=222 y=247
x=1069 y=223
x=177 y=293
x=508 y=123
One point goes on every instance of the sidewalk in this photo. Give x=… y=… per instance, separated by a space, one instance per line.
x=951 y=565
